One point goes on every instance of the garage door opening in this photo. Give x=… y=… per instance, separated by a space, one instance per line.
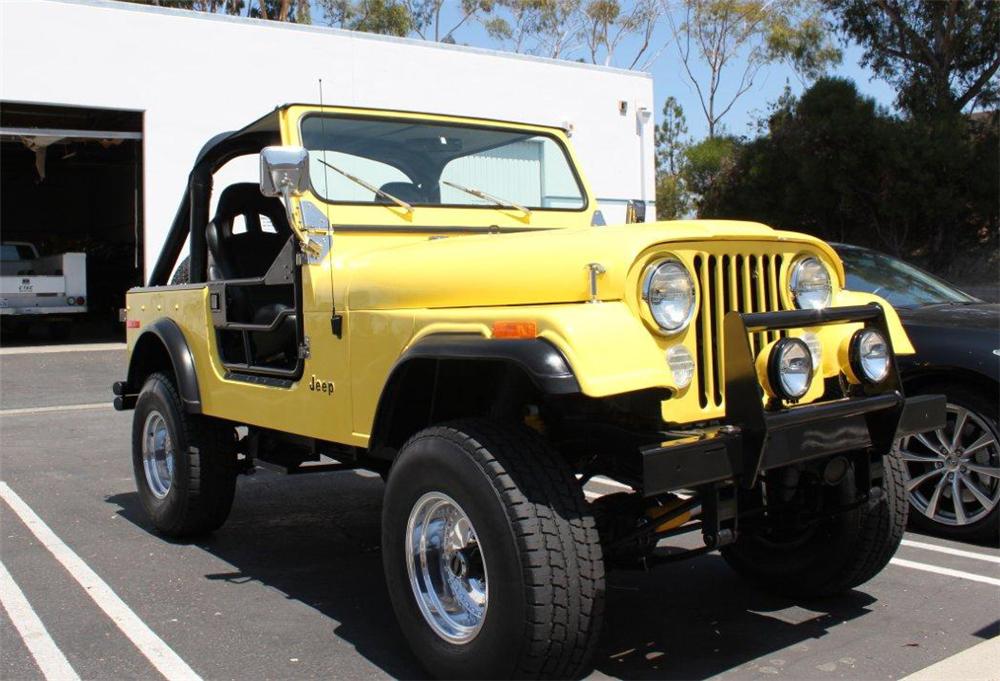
x=70 y=183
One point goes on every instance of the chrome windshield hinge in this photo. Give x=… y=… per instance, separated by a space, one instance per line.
x=596 y=270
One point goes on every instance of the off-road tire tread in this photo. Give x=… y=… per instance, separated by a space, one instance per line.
x=560 y=550
x=874 y=532
x=211 y=458
x=882 y=525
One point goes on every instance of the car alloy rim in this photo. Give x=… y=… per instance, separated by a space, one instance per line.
x=446 y=567
x=157 y=454
x=953 y=474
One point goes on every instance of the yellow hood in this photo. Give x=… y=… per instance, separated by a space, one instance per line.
x=527 y=268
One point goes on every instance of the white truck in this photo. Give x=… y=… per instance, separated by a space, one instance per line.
x=54 y=286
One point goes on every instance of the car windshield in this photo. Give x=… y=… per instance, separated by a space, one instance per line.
x=15 y=252
x=902 y=284
x=430 y=164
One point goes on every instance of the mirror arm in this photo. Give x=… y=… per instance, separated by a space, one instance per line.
x=308 y=245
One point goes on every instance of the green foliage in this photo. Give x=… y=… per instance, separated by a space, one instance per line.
x=835 y=165
x=941 y=56
x=704 y=162
x=388 y=17
x=672 y=200
x=670 y=134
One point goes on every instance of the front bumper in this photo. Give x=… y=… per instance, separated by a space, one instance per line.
x=757 y=437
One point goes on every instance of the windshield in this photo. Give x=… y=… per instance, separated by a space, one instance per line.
x=902 y=284
x=430 y=164
x=16 y=252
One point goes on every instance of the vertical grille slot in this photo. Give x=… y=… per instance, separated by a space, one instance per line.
x=744 y=282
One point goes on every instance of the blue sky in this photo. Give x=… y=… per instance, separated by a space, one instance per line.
x=669 y=77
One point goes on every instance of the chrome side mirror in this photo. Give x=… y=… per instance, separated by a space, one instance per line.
x=284 y=171
x=635 y=211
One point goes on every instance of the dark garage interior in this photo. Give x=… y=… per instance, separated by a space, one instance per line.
x=71 y=181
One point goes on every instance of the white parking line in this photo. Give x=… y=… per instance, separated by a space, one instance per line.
x=61 y=407
x=145 y=639
x=44 y=349
x=950 y=551
x=948 y=572
x=50 y=660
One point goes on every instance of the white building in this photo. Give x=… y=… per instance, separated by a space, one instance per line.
x=125 y=95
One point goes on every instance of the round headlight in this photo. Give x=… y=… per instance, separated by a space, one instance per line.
x=810 y=284
x=869 y=356
x=668 y=290
x=789 y=368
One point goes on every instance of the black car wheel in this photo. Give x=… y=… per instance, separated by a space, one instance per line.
x=184 y=464
x=953 y=474
x=492 y=559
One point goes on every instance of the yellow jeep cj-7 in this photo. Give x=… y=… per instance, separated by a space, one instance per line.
x=438 y=299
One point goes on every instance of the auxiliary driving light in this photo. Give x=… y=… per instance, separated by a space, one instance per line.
x=787 y=371
x=868 y=356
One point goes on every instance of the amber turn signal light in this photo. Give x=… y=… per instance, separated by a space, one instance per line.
x=515 y=330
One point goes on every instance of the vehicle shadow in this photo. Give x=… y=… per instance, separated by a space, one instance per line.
x=991 y=542
x=316 y=539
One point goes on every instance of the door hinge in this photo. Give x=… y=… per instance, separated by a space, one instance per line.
x=304 y=348
x=337 y=325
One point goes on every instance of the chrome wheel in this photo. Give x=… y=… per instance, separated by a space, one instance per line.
x=953 y=473
x=446 y=568
x=157 y=454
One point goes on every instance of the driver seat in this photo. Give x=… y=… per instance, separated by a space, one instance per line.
x=249 y=254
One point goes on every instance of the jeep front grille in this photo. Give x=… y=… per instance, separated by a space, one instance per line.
x=747 y=282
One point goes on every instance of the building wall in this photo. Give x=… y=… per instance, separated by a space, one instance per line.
x=195 y=75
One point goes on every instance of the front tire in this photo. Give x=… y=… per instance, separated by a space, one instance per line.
x=486 y=528
x=839 y=553
x=184 y=464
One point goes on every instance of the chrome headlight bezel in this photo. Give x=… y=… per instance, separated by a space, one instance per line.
x=667 y=328
x=864 y=361
x=781 y=381
x=804 y=292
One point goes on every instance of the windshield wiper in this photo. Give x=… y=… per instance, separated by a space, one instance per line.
x=370 y=187
x=480 y=194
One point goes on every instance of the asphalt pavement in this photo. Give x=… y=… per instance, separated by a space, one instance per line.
x=291 y=587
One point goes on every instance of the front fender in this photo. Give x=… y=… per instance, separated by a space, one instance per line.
x=608 y=349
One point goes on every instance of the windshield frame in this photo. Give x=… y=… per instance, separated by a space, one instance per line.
x=911 y=271
x=433 y=121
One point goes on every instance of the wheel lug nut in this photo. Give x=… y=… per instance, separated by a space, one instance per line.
x=938 y=465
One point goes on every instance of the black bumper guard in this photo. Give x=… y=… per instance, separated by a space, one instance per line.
x=756 y=437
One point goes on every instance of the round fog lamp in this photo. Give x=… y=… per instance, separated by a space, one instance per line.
x=869 y=356
x=789 y=369
x=681 y=365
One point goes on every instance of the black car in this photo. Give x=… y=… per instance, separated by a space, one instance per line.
x=953 y=473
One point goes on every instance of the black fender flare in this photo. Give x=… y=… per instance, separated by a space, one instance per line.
x=166 y=334
x=541 y=361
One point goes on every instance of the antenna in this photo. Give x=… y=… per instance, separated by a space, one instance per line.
x=326 y=203
x=326 y=171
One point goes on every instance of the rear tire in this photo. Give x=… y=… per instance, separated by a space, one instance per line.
x=534 y=535
x=184 y=464
x=841 y=553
